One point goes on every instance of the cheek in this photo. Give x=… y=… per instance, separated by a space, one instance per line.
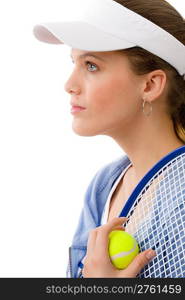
x=112 y=96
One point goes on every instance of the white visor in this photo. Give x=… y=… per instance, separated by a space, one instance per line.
x=105 y=25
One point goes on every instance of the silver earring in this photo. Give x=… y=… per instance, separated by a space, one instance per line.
x=148 y=113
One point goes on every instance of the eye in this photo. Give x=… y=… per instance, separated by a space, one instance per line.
x=89 y=63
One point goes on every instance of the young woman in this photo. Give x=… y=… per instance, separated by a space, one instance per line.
x=128 y=83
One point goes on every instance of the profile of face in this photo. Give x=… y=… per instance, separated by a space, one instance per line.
x=108 y=89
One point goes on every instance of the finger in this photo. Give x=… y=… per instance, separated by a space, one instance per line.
x=91 y=241
x=103 y=233
x=114 y=223
x=119 y=228
x=140 y=261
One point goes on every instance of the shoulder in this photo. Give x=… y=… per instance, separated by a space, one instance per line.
x=115 y=165
x=110 y=171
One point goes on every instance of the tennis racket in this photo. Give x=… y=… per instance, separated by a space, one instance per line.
x=156 y=216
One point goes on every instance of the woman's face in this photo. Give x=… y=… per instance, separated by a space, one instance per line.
x=109 y=91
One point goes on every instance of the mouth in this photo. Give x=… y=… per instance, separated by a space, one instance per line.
x=75 y=109
x=73 y=105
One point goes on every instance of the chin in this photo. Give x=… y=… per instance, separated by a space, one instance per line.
x=85 y=131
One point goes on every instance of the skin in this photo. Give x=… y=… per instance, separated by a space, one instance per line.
x=113 y=96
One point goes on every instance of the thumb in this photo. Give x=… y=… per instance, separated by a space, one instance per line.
x=139 y=263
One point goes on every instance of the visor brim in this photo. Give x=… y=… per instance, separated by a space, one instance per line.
x=79 y=35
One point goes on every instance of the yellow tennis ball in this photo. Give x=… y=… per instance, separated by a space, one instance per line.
x=122 y=248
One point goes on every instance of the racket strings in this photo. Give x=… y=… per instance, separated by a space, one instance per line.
x=157 y=220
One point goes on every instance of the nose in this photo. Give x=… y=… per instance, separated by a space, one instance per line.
x=71 y=86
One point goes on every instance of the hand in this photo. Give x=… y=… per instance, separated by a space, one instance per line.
x=97 y=262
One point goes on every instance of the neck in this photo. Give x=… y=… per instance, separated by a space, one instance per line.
x=146 y=144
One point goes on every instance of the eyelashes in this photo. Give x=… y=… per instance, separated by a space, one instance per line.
x=87 y=63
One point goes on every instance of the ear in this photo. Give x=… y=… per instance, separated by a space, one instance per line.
x=155 y=84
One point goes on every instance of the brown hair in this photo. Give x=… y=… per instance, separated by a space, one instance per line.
x=167 y=17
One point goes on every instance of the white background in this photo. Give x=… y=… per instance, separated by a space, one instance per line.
x=44 y=167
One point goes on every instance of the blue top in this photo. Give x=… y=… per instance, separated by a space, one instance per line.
x=94 y=203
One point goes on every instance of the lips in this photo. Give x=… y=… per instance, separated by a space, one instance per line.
x=76 y=105
x=75 y=109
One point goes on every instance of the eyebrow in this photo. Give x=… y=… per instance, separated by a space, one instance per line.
x=89 y=54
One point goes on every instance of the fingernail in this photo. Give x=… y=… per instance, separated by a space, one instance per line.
x=150 y=254
x=123 y=218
